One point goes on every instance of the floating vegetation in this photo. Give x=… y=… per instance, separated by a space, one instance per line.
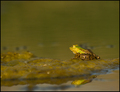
x=26 y=66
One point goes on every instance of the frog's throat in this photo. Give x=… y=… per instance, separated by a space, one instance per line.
x=74 y=52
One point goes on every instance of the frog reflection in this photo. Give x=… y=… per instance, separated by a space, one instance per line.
x=83 y=81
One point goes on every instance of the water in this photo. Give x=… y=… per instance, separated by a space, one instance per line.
x=48 y=29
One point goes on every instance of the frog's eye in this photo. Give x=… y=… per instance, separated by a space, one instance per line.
x=73 y=46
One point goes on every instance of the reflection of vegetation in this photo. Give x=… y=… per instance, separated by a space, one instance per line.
x=84 y=79
x=25 y=66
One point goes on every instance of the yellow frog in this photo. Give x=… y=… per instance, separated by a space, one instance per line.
x=84 y=54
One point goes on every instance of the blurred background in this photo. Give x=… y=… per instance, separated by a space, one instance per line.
x=49 y=28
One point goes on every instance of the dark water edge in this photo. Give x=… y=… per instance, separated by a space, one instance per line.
x=112 y=79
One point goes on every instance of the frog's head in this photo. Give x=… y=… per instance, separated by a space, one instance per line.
x=76 y=49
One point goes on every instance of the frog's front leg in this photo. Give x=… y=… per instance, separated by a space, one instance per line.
x=77 y=55
x=82 y=56
x=85 y=56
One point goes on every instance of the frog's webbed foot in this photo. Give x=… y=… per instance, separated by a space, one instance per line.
x=96 y=56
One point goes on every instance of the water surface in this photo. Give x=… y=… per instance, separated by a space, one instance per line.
x=48 y=29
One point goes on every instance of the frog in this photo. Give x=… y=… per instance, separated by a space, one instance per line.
x=83 y=54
